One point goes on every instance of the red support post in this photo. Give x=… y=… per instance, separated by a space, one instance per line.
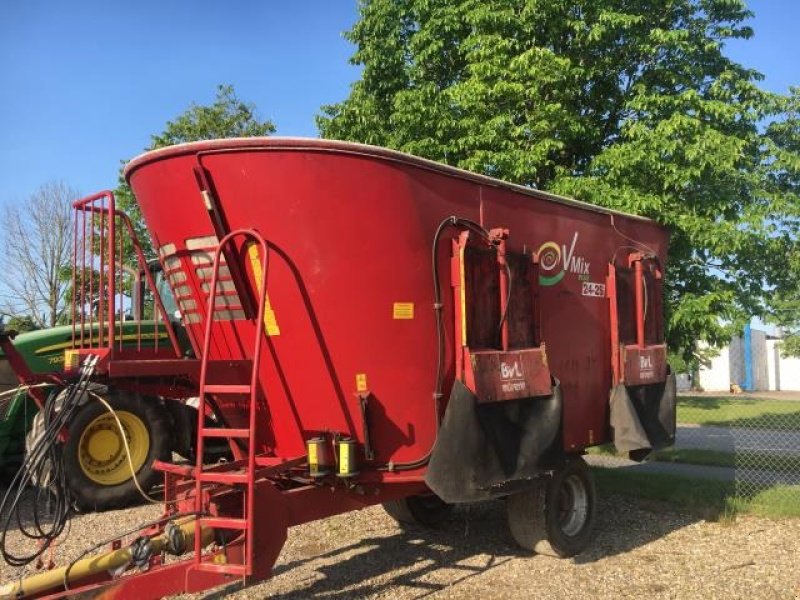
x=639 y=283
x=111 y=275
x=611 y=293
x=498 y=238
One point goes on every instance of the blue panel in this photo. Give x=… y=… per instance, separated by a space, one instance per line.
x=748 y=359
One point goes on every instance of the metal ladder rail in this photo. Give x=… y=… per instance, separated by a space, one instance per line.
x=245 y=524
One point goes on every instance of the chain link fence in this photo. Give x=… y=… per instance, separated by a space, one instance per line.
x=751 y=440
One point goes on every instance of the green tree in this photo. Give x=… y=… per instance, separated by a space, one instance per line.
x=629 y=104
x=21 y=323
x=226 y=117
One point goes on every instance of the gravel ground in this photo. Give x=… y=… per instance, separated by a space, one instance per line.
x=640 y=551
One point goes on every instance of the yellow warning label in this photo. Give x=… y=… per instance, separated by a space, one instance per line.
x=403 y=310
x=313 y=459
x=361 y=382
x=270 y=321
x=71 y=359
x=344 y=459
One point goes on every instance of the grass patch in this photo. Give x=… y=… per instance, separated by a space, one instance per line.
x=777 y=502
x=711 y=499
x=751 y=413
x=762 y=461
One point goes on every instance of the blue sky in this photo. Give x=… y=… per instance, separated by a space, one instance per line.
x=84 y=84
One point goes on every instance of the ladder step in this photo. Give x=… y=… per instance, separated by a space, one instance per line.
x=221 y=477
x=226 y=569
x=223 y=523
x=226 y=388
x=224 y=432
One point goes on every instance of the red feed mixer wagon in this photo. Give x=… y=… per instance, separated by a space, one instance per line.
x=370 y=327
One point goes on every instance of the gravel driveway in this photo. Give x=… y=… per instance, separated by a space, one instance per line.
x=640 y=552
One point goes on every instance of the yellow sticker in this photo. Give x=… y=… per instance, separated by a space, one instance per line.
x=344 y=459
x=313 y=459
x=403 y=310
x=71 y=359
x=361 y=382
x=270 y=321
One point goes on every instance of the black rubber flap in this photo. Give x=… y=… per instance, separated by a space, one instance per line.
x=486 y=450
x=643 y=417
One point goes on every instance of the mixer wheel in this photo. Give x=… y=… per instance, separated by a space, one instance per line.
x=556 y=516
x=427 y=510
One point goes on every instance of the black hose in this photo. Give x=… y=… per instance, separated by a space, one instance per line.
x=44 y=469
x=451 y=221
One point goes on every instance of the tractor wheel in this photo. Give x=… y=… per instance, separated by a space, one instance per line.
x=95 y=460
x=427 y=510
x=557 y=516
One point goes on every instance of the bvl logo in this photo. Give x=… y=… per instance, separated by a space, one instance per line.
x=646 y=369
x=510 y=371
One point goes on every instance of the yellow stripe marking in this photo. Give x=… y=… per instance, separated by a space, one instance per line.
x=270 y=321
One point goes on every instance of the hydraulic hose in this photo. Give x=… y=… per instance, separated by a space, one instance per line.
x=438 y=307
x=44 y=468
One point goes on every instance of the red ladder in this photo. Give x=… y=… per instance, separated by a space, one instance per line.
x=242 y=477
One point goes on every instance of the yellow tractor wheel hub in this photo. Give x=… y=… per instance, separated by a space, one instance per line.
x=101 y=449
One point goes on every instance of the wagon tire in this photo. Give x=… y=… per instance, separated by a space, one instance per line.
x=95 y=462
x=556 y=517
x=426 y=510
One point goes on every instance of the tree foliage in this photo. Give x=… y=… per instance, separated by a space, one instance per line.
x=21 y=324
x=226 y=117
x=629 y=104
x=37 y=252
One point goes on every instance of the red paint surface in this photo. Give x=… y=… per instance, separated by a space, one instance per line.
x=350 y=229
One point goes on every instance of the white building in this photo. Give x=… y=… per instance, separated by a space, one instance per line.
x=754 y=363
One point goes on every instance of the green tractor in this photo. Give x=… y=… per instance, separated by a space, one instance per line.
x=96 y=458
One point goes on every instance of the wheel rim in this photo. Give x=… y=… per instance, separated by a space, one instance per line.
x=573 y=505
x=101 y=450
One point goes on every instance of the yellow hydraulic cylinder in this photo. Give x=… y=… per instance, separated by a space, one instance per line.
x=86 y=567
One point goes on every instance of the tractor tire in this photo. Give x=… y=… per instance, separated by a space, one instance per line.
x=556 y=517
x=426 y=510
x=95 y=461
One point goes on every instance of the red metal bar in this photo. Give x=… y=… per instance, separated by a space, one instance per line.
x=121 y=288
x=100 y=284
x=611 y=294
x=639 y=283
x=74 y=275
x=83 y=275
x=457 y=283
x=111 y=279
x=501 y=261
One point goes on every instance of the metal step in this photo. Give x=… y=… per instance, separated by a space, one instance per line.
x=226 y=477
x=224 y=432
x=228 y=569
x=223 y=523
x=227 y=388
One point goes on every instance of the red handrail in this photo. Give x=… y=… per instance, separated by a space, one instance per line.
x=110 y=267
